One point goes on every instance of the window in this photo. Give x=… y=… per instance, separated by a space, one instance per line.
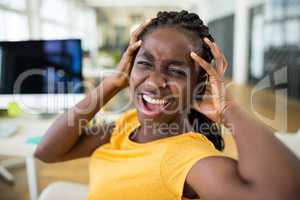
x=2 y=25
x=13 y=20
x=293 y=7
x=56 y=10
x=257 y=47
x=292 y=29
x=53 y=19
x=14 y=26
x=54 y=31
x=14 y=4
x=85 y=27
x=281 y=41
x=62 y=19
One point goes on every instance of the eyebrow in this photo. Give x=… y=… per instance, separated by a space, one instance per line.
x=147 y=55
x=175 y=62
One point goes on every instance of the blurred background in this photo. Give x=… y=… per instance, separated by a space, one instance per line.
x=84 y=39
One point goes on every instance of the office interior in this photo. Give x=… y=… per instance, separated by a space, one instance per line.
x=84 y=41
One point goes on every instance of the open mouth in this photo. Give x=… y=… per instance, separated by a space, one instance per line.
x=151 y=106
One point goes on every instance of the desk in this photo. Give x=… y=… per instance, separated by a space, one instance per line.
x=15 y=145
x=31 y=126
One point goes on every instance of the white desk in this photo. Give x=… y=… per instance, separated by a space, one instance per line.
x=15 y=145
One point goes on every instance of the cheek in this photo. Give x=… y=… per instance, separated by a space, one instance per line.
x=179 y=89
x=184 y=92
x=136 y=78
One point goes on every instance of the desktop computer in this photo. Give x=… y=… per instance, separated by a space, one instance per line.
x=41 y=75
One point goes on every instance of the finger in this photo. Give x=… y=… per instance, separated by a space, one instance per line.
x=130 y=51
x=214 y=47
x=225 y=65
x=127 y=58
x=205 y=65
x=135 y=34
x=222 y=67
x=133 y=47
x=218 y=56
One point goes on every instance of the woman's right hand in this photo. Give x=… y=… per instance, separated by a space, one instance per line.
x=121 y=76
x=220 y=100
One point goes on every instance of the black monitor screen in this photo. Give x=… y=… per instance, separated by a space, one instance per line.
x=41 y=67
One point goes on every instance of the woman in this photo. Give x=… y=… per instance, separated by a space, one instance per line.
x=156 y=151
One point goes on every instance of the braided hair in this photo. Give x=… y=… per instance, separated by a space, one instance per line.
x=190 y=23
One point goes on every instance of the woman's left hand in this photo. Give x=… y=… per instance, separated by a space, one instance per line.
x=217 y=98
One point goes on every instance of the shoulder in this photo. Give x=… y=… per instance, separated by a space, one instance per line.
x=181 y=154
x=188 y=146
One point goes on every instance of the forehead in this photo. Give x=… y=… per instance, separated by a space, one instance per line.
x=164 y=43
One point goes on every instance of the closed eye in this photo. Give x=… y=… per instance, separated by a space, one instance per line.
x=177 y=72
x=144 y=63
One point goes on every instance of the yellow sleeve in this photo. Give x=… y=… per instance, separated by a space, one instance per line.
x=179 y=158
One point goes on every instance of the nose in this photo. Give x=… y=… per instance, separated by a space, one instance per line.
x=156 y=79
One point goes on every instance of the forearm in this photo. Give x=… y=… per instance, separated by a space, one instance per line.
x=263 y=159
x=65 y=131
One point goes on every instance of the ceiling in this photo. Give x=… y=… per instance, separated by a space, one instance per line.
x=138 y=3
x=207 y=9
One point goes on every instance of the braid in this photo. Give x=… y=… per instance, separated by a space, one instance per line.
x=190 y=22
x=185 y=21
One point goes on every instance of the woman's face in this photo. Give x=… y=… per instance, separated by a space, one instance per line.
x=163 y=76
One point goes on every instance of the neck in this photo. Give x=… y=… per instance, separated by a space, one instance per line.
x=151 y=130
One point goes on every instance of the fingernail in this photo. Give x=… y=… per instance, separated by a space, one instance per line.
x=139 y=42
x=193 y=54
x=206 y=39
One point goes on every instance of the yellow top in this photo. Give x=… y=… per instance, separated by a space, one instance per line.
x=124 y=169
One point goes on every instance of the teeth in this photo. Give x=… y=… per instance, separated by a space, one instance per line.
x=154 y=101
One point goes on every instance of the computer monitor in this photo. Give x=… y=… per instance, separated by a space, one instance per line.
x=33 y=69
